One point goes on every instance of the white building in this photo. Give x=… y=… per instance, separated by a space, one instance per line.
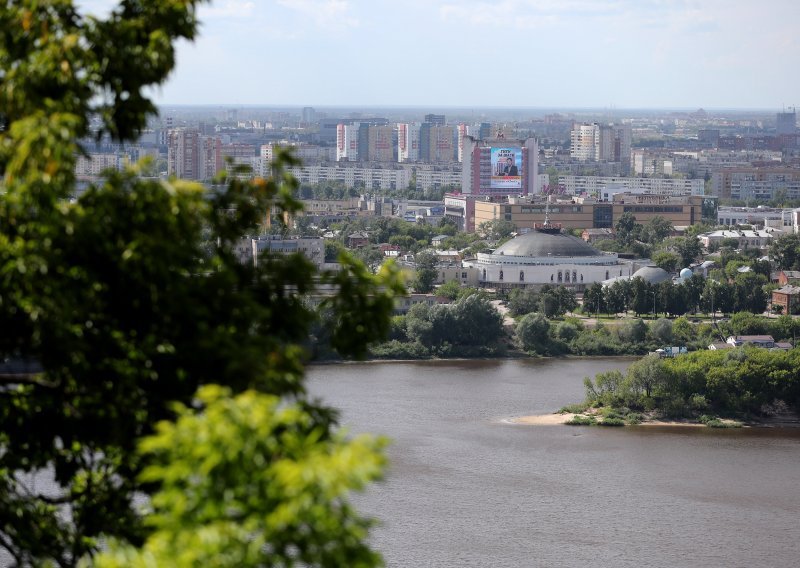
x=347 y=142
x=599 y=186
x=745 y=239
x=408 y=142
x=547 y=257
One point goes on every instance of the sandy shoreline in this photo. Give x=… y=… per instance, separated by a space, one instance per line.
x=557 y=419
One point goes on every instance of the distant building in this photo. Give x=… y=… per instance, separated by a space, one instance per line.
x=744 y=239
x=788 y=297
x=436 y=143
x=435 y=119
x=250 y=249
x=183 y=153
x=500 y=167
x=786 y=122
x=408 y=142
x=601 y=142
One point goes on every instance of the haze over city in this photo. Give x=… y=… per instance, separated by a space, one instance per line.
x=510 y=53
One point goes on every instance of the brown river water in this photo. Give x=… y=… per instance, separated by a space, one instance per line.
x=467 y=488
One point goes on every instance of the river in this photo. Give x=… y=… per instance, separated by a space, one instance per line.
x=466 y=488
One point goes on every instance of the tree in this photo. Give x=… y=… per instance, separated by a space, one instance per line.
x=531 y=332
x=496 y=230
x=646 y=375
x=688 y=248
x=242 y=447
x=130 y=297
x=624 y=227
x=426 y=272
x=523 y=301
x=661 y=330
x=657 y=229
x=666 y=260
x=593 y=298
x=785 y=251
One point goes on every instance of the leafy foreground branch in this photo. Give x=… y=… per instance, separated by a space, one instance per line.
x=245 y=481
x=131 y=298
x=748 y=384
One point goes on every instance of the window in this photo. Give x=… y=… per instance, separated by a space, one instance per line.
x=606 y=274
x=522 y=276
x=463 y=275
x=560 y=276
x=484 y=274
x=501 y=275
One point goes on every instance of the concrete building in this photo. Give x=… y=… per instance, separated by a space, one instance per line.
x=599 y=185
x=601 y=142
x=744 y=239
x=251 y=249
x=488 y=164
x=756 y=182
x=547 y=256
x=786 y=122
x=408 y=142
x=436 y=143
x=763 y=216
x=379 y=146
x=183 y=153
x=347 y=142
x=585 y=213
x=354 y=176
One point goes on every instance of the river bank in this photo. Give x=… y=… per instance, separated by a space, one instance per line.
x=788 y=420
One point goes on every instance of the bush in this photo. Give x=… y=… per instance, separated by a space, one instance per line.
x=612 y=422
x=634 y=418
x=581 y=421
x=573 y=408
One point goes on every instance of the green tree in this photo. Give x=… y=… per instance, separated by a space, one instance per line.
x=594 y=299
x=426 y=272
x=657 y=229
x=131 y=296
x=523 y=301
x=496 y=230
x=687 y=248
x=666 y=260
x=785 y=251
x=625 y=227
x=532 y=332
x=646 y=375
x=249 y=481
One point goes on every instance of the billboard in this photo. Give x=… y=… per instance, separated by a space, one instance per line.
x=506 y=168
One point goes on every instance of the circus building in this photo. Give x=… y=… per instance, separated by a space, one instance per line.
x=546 y=255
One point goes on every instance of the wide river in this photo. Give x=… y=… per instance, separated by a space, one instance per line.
x=467 y=488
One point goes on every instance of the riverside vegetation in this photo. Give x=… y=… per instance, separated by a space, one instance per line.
x=717 y=388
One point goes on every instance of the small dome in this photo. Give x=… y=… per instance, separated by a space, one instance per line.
x=652 y=274
x=686 y=273
x=541 y=244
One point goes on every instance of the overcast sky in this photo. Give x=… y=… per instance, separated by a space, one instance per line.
x=481 y=53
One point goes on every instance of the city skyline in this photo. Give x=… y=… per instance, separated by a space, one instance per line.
x=507 y=54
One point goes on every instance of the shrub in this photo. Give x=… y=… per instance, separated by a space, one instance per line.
x=573 y=408
x=582 y=421
x=634 y=418
x=612 y=422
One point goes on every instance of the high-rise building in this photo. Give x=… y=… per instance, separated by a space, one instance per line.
x=211 y=161
x=786 y=122
x=601 y=142
x=500 y=167
x=309 y=115
x=347 y=142
x=408 y=142
x=379 y=144
x=435 y=119
x=462 y=131
x=436 y=143
x=183 y=153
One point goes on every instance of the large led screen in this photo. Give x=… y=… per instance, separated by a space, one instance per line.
x=506 y=168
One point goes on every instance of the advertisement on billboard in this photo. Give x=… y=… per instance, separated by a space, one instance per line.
x=506 y=168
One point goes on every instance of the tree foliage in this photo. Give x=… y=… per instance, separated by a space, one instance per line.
x=248 y=481
x=131 y=296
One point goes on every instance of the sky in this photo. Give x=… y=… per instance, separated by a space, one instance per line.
x=742 y=54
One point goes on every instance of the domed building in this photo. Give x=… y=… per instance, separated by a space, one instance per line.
x=547 y=256
x=651 y=274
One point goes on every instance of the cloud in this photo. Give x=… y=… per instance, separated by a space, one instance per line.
x=329 y=14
